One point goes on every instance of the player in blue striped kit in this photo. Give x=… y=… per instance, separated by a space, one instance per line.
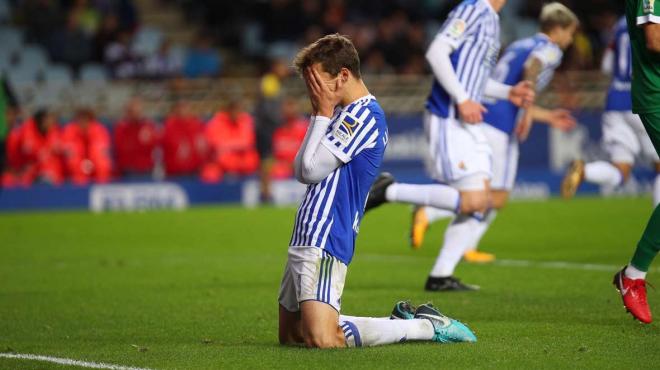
x=339 y=159
x=533 y=59
x=462 y=57
x=624 y=136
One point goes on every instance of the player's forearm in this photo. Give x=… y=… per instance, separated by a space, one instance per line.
x=533 y=69
x=652 y=33
x=540 y=114
x=438 y=57
x=313 y=161
x=497 y=90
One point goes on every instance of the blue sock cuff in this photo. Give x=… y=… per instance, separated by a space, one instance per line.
x=351 y=331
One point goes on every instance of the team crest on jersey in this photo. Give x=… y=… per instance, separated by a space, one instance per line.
x=649 y=6
x=345 y=129
x=456 y=28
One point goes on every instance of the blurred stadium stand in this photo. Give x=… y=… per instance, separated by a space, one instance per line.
x=142 y=48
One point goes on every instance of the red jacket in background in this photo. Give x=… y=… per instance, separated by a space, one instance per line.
x=135 y=143
x=88 y=152
x=286 y=142
x=184 y=145
x=34 y=155
x=232 y=143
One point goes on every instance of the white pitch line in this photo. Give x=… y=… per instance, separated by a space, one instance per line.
x=68 y=361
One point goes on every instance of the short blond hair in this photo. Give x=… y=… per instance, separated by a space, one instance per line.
x=556 y=14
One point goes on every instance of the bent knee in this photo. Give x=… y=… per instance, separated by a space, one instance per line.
x=474 y=203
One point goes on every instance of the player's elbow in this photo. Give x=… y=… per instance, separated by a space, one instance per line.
x=305 y=173
x=310 y=176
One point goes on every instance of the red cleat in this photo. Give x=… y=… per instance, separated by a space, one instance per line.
x=633 y=293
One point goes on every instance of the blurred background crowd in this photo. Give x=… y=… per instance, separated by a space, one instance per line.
x=48 y=44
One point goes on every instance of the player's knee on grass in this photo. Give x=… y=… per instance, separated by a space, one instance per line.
x=624 y=168
x=320 y=326
x=290 y=331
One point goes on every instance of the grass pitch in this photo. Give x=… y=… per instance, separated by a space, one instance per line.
x=198 y=289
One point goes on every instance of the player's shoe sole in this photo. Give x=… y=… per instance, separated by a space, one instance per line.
x=448 y=284
x=633 y=294
x=418 y=227
x=475 y=256
x=447 y=330
x=377 y=192
x=403 y=310
x=572 y=179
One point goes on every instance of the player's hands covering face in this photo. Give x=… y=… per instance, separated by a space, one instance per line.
x=324 y=95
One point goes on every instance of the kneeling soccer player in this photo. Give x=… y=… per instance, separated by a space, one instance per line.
x=339 y=159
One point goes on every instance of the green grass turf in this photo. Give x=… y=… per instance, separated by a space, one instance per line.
x=198 y=289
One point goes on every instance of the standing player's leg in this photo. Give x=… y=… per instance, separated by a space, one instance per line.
x=631 y=281
x=620 y=142
x=505 y=167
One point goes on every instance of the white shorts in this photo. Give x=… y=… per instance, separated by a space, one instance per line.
x=312 y=274
x=625 y=138
x=505 y=157
x=459 y=154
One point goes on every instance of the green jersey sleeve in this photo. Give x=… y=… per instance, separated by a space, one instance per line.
x=647 y=12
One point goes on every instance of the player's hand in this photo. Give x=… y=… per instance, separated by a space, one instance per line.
x=522 y=94
x=471 y=112
x=562 y=119
x=524 y=126
x=324 y=98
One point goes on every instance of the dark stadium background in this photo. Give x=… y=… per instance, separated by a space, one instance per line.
x=91 y=58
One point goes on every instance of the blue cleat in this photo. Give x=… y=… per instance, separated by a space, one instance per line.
x=403 y=310
x=447 y=330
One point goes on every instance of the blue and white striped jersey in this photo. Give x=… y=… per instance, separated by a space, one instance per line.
x=510 y=70
x=330 y=214
x=618 y=96
x=473 y=31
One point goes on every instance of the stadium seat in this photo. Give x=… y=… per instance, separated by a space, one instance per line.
x=34 y=55
x=5 y=11
x=178 y=54
x=94 y=72
x=59 y=74
x=11 y=38
x=23 y=74
x=147 y=41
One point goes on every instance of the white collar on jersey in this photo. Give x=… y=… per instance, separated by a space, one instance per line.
x=364 y=97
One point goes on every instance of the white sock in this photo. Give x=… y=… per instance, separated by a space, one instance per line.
x=436 y=195
x=355 y=318
x=656 y=190
x=369 y=332
x=458 y=239
x=633 y=273
x=435 y=214
x=480 y=229
x=602 y=173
